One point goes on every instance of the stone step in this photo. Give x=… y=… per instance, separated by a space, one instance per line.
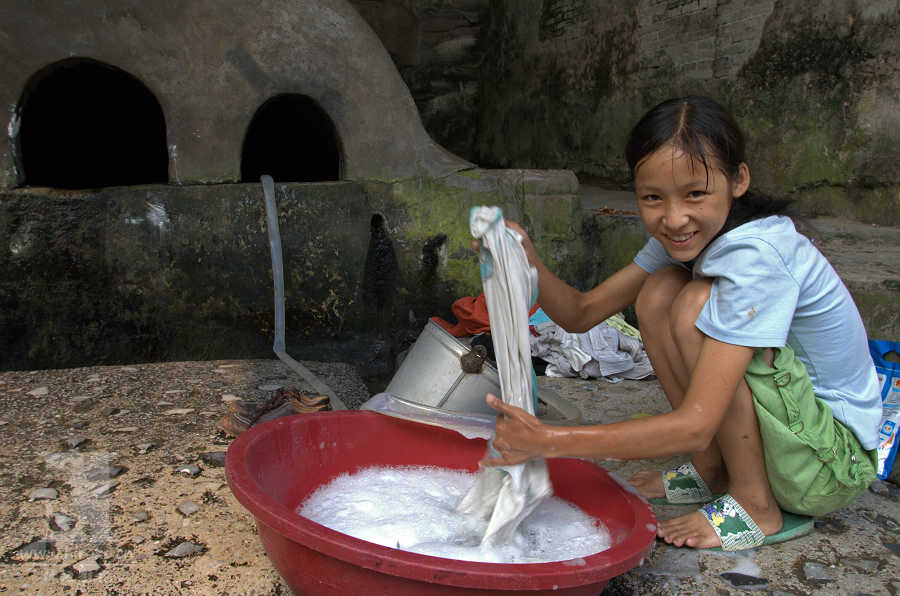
x=866 y=256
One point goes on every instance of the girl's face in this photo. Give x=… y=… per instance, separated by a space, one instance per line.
x=682 y=204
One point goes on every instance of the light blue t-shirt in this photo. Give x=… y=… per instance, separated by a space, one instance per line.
x=772 y=288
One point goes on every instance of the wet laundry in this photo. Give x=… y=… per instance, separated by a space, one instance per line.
x=506 y=495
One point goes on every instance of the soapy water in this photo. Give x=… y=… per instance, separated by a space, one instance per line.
x=414 y=509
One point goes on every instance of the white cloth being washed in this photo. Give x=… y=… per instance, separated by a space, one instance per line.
x=505 y=495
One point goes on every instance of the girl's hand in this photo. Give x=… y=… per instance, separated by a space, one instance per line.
x=526 y=243
x=519 y=436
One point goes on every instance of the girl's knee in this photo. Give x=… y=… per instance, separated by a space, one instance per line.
x=658 y=294
x=687 y=305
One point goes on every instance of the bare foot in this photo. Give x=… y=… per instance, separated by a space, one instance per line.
x=649 y=483
x=695 y=531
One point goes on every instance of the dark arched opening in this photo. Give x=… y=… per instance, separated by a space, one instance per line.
x=86 y=124
x=292 y=139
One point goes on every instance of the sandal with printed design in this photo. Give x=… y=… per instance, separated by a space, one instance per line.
x=738 y=531
x=683 y=486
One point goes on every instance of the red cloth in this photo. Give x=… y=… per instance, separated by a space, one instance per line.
x=472 y=314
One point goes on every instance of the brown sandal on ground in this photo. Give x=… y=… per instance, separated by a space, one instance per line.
x=241 y=415
x=305 y=403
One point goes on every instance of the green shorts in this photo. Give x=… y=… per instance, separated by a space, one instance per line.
x=815 y=464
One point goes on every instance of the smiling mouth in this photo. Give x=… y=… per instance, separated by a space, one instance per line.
x=680 y=239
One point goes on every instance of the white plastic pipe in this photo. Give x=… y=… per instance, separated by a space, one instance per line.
x=278 y=276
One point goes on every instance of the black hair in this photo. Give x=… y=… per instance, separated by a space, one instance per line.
x=703 y=129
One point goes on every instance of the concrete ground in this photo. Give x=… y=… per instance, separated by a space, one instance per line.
x=139 y=503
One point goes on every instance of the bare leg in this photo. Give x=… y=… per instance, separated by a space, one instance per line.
x=741 y=446
x=662 y=306
x=737 y=445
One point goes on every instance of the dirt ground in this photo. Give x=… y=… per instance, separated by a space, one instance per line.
x=116 y=444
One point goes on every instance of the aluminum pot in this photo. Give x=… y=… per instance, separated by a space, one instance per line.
x=434 y=374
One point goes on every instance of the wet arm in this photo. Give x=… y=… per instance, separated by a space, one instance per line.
x=577 y=311
x=689 y=428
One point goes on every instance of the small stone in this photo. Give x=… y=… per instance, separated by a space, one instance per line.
x=129 y=369
x=144 y=448
x=185 y=549
x=191 y=470
x=164 y=403
x=3 y=422
x=893 y=547
x=37 y=548
x=139 y=540
x=888 y=524
x=77 y=399
x=140 y=516
x=269 y=387
x=818 y=572
x=188 y=508
x=867 y=565
x=743 y=581
x=214 y=459
x=80 y=424
x=39 y=392
x=104 y=473
x=110 y=411
x=830 y=524
x=60 y=522
x=174 y=391
x=76 y=442
x=228 y=398
x=126 y=429
x=178 y=411
x=87 y=568
x=105 y=489
x=884 y=489
x=39 y=494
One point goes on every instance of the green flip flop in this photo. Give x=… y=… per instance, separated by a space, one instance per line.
x=739 y=532
x=683 y=486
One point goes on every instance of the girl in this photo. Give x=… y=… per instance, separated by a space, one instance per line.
x=755 y=340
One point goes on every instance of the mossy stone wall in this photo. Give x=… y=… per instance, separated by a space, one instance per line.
x=814 y=83
x=154 y=273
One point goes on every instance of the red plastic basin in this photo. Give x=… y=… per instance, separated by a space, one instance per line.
x=273 y=467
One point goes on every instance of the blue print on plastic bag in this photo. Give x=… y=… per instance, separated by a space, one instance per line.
x=889 y=382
